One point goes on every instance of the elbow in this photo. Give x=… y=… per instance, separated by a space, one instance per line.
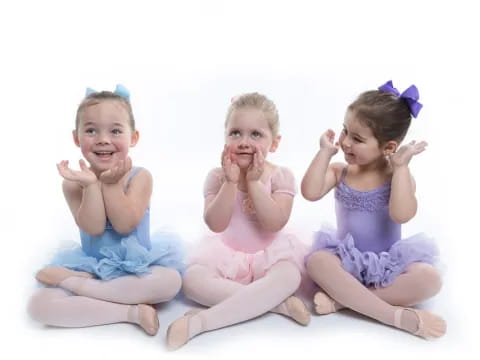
x=91 y=229
x=401 y=218
x=214 y=226
x=275 y=226
x=123 y=229
x=127 y=227
x=309 y=196
x=96 y=232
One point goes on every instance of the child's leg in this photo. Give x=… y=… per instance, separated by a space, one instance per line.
x=204 y=286
x=418 y=283
x=161 y=285
x=326 y=270
x=247 y=302
x=54 y=306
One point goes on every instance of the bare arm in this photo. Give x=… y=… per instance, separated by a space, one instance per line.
x=218 y=207
x=81 y=189
x=220 y=197
x=320 y=178
x=86 y=205
x=125 y=210
x=272 y=210
x=403 y=204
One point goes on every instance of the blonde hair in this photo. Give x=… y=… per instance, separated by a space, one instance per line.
x=97 y=97
x=260 y=102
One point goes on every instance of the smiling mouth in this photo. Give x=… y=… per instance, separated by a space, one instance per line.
x=103 y=153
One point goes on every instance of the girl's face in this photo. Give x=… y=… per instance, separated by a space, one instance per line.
x=248 y=131
x=358 y=142
x=104 y=134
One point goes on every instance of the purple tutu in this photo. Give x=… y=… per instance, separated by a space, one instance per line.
x=376 y=269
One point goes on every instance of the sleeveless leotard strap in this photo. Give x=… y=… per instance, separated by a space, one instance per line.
x=132 y=174
x=344 y=173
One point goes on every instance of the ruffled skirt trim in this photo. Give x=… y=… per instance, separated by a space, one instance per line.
x=126 y=258
x=245 y=267
x=376 y=269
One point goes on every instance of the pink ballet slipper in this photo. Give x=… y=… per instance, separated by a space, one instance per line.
x=430 y=326
x=54 y=275
x=297 y=310
x=148 y=319
x=324 y=304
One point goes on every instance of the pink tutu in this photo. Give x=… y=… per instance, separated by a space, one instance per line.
x=245 y=267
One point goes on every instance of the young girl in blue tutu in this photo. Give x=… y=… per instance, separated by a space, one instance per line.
x=119 y=270
x=365 y=265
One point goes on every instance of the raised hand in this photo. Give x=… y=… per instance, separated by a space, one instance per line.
x=229 y=165
x=405 y=153
x=84 y=177
x=327 y=142
x=117 y=172
x=255 y=170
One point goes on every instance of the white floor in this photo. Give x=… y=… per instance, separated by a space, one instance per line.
x=344 y=334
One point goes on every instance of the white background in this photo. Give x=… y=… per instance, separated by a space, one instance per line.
x=183 y=61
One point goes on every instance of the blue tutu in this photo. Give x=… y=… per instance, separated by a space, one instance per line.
x=376 y=269
x=127 y=257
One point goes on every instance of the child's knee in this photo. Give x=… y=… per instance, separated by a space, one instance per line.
x=289 y=273
x=174 y=283
x=428 y=278
x=168 y=283
x=191 y=283
x=39 y=305
x=320 y=261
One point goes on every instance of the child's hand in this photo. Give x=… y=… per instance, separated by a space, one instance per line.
x=255 y=170
x=327 y=142
x=230 y=167
x=116 y=173
x=84 y=177
x=403 y=156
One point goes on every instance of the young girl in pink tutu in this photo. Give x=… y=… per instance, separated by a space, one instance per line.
x=365 y=265
x=250 y=266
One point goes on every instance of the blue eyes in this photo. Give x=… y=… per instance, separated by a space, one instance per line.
x=92 y=131
x=254 y=134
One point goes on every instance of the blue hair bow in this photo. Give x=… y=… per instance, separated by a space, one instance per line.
x=410 y=95
x=120 y=90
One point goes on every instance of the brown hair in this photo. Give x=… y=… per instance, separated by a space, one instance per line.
x=260 y=102
x=97 y=97
x=386 y=114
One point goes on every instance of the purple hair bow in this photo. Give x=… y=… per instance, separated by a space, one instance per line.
x=410 y=95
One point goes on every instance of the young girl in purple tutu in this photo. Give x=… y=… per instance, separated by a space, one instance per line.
x=119 y=270
x=364 y=264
